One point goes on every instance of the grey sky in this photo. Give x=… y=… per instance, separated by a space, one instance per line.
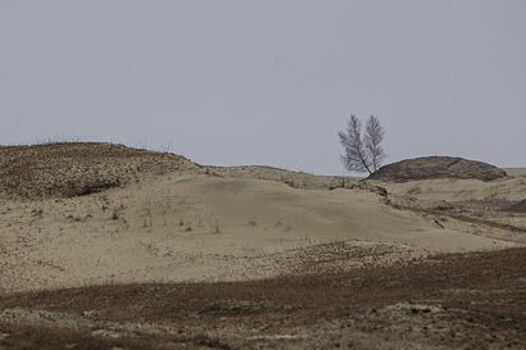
x=269 y=81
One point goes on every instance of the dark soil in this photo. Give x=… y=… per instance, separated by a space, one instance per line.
x=437 y=168
x=475 y=301
x=519 y=207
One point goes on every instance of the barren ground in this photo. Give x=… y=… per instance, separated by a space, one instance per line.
x=136 y=250
x=467 y=301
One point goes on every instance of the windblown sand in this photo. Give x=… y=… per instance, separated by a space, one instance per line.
x=198 y=227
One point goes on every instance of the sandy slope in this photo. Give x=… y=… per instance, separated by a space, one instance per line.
x=197 y=227
x=481 y=201
x=512 y=188
x=355 y=265
x=516 y=171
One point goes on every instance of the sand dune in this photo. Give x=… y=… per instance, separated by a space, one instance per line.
x=512 y=188
x=476 y=200
x=297 y=260
x=165 y=218
x=516 y=171
x=198 y=227
x=437 y=167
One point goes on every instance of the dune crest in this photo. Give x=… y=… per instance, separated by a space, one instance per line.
x=76 y=169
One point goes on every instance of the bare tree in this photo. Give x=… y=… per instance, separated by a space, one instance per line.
x=363 y=153
x=374 y=136
x=354 y=158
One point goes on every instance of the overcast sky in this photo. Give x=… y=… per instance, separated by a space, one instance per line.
x=269 y=81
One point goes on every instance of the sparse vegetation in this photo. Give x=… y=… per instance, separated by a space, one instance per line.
x=217 y=229
x=38 y=212
x=428 y=300
x=208 y=340
x=437 y=167
x=299 y=289
x=78 y=169
x=148 y=220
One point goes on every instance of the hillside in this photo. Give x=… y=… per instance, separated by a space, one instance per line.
x=436 y=167
x=99 y=213
x=75 y=169
x=104 y=246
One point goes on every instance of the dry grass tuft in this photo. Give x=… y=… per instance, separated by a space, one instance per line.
x=205 y=339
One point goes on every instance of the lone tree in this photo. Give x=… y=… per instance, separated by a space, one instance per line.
x=363 y=153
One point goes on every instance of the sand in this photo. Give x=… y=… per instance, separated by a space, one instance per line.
x=135 y=249
x=205 y=228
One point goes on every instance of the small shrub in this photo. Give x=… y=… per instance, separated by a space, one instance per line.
x=217 y=229
x=205 y=339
